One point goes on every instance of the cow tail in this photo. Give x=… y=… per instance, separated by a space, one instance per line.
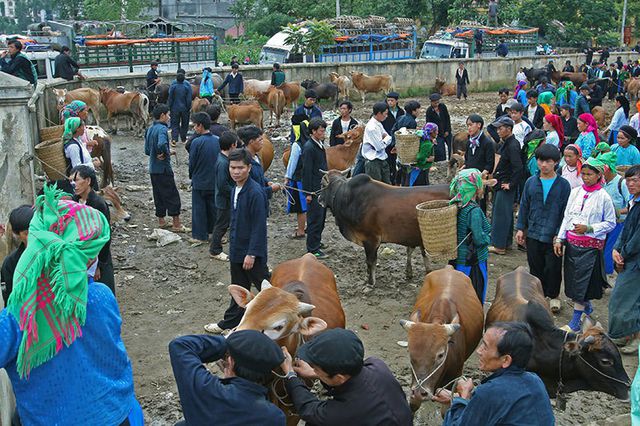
x=107 y=166
x=392 y=85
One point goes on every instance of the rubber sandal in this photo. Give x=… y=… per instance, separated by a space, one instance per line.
x=182 y=229
x=296 y=236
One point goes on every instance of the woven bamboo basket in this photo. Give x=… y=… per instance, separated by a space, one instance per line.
x=51 y=156
x=622 y=170
x=51 y=133
x=438 y=228
x=407 y=147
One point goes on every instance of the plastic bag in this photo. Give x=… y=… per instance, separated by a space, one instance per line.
x=635 y=398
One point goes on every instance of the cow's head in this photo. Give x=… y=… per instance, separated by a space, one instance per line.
x=355 y=74
x=331 y=180
x=354 y=135
x=117 y=212
x=275 y=312
x=456 y=162
x=440 y=82
x=597 y=363
x=61 y=95
x=429 y=346
x=309 y=84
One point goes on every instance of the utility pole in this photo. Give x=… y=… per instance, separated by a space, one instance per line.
x=160 y=8
x=624 y=19
x=338 y=8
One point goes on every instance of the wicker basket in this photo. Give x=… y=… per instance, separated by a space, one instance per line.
x=51 y=133
x=622 y=170
x=407 y=147
x=51 y=156
x=438 y=228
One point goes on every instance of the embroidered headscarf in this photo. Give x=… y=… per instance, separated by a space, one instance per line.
x=601 y=148
x=578 y=151
x=556 y=123
x=72 y=110
x=70 y=127
x=49 y=298
x=592 y=125
x=464 y=186
x=427 y=129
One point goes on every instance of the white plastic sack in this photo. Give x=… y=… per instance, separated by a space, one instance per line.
x=164 y=237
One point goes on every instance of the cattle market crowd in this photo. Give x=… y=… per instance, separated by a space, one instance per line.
x=550 y=174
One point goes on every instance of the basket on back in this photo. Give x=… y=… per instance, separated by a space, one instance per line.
x=407 y=147
x=438 y=227
x=50 y=152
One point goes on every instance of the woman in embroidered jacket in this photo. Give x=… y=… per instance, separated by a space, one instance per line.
x=588 y=218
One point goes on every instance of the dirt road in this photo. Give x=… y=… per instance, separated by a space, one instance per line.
x=175 y=290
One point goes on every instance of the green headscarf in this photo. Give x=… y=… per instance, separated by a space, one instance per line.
x=544 y=98
x=70 y=127
x=601 y=148
x=610 y=160
x=73 y=109
x=596 y=163
x=464 y=186
x=532 y=145
x=49 y=298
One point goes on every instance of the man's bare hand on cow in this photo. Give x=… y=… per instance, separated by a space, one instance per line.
x=173 y=152
x=275 y=187
x=248 y=262
x=287 y=364
x=464 y=388
x=304 y=370
x=520 y=238
x=161 y=156
x=443 y=396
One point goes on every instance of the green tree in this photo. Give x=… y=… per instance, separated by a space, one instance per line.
x=320 y=34
x=295 y=38
x=108 y=10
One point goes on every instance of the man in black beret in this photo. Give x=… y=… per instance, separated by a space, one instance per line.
x=394 y=112
x=247 y=358
x=364 y=391
x=438 y=114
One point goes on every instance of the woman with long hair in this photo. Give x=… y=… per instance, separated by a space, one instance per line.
x=588 y=218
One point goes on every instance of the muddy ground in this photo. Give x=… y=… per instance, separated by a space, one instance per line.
x=175 y=290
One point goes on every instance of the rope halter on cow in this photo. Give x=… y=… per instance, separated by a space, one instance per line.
x=420 y=382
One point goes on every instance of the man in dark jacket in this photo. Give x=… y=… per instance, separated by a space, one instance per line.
x=568 y=67
x=533 y=111
x=314 y=159
x=342 y=124
x=180 y=95
x=438 y=114
x=462 y=79
x=363 y=392
x=19 y=219
x=235 y=82
x=408 y=121
x=582 y=101
x=308 y=108
x=596 y=95
x=253 y=139
x=153 y=79
x=247 y=358
x=247 y=235
x=165 y=193
x=480 y=153
x=65 y=67
x=16 y=63
x=541 y=211
x=570 y=125
x=394 y=112
x=502 y=49
x=203 y=155
x=214 y=114
x=509 y=396
x=224 y=185
x=508 y=172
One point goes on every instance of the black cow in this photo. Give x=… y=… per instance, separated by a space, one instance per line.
x=535 y=74
x=369 y=213
x=323 y=90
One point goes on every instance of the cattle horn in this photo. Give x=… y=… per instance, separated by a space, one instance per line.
x=324 y=172
x=407 y=324
x=586 y=324
x=451 y=328
x=345 y=172
x=305 y=308
x=265 y=285
x=588 y=340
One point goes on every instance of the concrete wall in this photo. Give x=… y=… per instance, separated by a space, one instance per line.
x=484 y=73
x=16 y=145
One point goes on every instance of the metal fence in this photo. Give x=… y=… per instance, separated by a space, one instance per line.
x=371 y=50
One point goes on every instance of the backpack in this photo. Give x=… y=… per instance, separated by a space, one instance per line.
x=34 y=70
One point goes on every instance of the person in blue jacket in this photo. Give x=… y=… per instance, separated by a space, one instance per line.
x=203 y=155
x=247 y=235
x=253 y=139
x=510 y=395
x=206 y=84
x=236 y=84
x=308 y=108
x=179 y=101
x=241 y=396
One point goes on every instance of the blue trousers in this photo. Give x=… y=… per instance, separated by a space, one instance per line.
x=479 y=287
x=358 y=168
x=613 y=137
x=203 y=214
x=179 y=125
x=612 y=237
x=502 y=219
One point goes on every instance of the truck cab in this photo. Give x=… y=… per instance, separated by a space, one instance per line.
x=444 y=49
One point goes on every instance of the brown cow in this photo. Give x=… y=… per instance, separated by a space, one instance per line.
x=632 y=86
x=291 y=92
x=601 y=117
x=276 y=102
x=102 y=151
x=577 y=78
x=282 y=309
x=266 y=153
x=339 y=157
x=444 y=330
x=117 y=212
x=128 y=103
x=91 y=97
x=253 y=88
x=245 y=112
x=581 y=361
x=199 y=104
x=369 y=213
x=343 y=83
x=443 y=88
x=371 y=83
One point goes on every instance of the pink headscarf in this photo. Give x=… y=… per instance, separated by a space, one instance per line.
x=592 y=126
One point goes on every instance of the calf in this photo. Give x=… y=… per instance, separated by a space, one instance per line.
x=443 y=88
x=577 y=78
x=339 y=157
x=199 y=104
x=245 y=112
x=128 y=103
x=565 y=361
x=371 y=83
x=444 y=330
x=266 y=153
x=632 y=86
x=102 y=151
x=117 y=212
x=91 y=97
x=323 y=90
x=343 y=83
x=369 y=213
